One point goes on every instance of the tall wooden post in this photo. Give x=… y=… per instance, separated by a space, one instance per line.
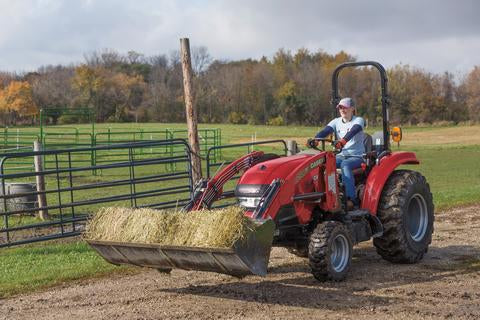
x=41 y=197
x=190 y=110
x=292 y=147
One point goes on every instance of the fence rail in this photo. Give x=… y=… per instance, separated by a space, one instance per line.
x=14 y=140
x=134 y=179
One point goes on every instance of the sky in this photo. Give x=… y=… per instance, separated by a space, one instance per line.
x=434 y=35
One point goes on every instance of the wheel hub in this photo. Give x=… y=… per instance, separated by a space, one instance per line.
x=417 y=217
x=340 y=253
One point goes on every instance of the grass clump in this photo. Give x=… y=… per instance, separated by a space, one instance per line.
x=219 y=228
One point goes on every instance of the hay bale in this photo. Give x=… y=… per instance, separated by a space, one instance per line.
x=219 y=228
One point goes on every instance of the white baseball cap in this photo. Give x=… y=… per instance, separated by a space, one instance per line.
x=347 y=103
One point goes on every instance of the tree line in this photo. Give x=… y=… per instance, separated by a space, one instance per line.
x=286 y=89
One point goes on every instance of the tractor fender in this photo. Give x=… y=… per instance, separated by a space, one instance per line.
x=379 y=176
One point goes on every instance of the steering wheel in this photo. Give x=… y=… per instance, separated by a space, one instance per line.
x=313 y=143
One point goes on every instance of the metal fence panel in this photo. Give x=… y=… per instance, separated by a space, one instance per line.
x=130 y=177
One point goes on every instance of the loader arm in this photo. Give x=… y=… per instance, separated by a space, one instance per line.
x=208 y=191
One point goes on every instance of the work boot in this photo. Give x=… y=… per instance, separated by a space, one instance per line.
x=350 y=205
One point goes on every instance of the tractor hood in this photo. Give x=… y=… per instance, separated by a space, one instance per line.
x=265 y=172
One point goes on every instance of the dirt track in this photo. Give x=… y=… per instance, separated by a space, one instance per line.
x=446 y=284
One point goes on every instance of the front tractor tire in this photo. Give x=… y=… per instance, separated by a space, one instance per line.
x=330 y=251
x=406 y=212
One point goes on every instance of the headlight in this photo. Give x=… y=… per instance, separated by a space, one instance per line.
x=249 y=202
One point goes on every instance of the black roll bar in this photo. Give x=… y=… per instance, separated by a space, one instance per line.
x=385 y=97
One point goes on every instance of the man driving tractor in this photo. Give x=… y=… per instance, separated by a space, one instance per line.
x=348 y=131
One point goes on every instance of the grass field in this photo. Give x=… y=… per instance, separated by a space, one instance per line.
x=32 y=267
x=449 y=159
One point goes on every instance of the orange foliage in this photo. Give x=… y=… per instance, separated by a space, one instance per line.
x=88 y=81
x=17 y=97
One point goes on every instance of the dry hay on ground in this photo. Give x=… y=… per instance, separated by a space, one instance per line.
x=206 y=228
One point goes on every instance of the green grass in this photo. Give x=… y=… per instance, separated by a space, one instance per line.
x=35 y=267
x=453 y=174
x=452 y=171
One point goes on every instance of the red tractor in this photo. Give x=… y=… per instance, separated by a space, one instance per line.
x=299 y=203
x=306 y=200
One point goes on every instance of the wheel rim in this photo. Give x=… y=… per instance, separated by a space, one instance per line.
x=340 y=253
x=417 y=217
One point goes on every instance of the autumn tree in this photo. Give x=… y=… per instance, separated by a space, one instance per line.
x=125 y=94
x=289 y=105
x=17 y=102
x=472 y=90
x=6 y=78
x=89 y=82
x=52 y=88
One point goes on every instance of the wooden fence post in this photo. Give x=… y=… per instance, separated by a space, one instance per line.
x=292 y=147
x=42 y=197
x=190 y=110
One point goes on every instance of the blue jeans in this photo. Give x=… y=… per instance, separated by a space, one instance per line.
x=347 y=164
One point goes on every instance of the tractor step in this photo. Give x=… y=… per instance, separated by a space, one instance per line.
x=357 y=214
x=375 y=224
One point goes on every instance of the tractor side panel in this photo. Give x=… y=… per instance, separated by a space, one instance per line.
x=298 y=181
x=379 y=176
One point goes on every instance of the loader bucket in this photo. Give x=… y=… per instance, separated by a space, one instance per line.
x=246 y=257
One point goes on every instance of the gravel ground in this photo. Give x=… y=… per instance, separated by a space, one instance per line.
x=446 y=284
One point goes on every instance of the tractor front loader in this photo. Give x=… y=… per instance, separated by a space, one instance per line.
x=248 y=256
x=298 y=202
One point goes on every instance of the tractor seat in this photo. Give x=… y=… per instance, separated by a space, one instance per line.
x=367 y=143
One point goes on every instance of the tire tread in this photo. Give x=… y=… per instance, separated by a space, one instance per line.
x=318 y=253
x=393 y=245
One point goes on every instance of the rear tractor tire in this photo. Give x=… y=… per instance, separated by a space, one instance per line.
x=330 y=251
x=406 y=212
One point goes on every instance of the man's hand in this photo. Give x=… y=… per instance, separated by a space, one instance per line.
x=312 y=143
x=340 y=144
